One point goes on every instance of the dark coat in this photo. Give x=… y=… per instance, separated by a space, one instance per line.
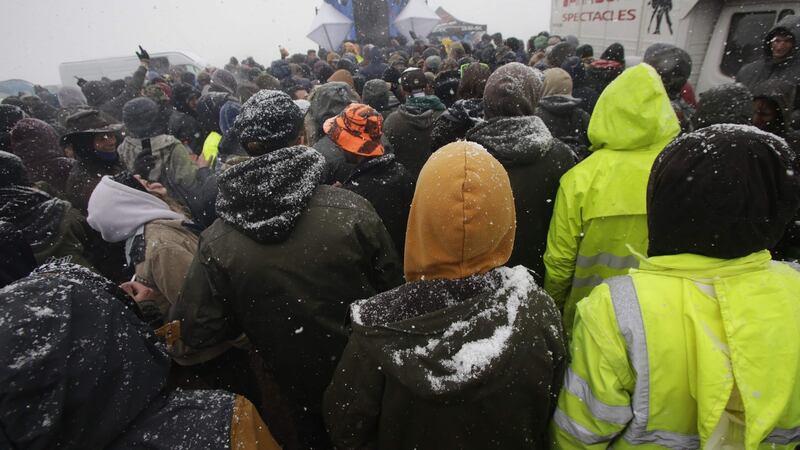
x=282 y=264
x=454 y=123
x=186 y=129
x=88 y=373
x=388 y=186
x=408 y=132
x=535 y=161
x=566 y=121
x=766 y=68
x=51 y=226
x=409 y=377
x=337 y=167
x=84 y=176
x=16 y=256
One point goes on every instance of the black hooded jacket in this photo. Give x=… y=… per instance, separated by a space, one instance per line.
x=535 y=161
x=88 y=373
x=388 y=186
x=472 y=363
x=566 y=121
x=282 y=264
x=766 y=68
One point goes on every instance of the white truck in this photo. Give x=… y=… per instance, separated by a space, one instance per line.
x=124 y=66
x=720 y=35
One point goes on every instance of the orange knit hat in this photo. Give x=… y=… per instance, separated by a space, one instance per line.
x=357 y=129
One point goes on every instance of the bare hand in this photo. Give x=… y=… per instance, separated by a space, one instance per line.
x=138 y=291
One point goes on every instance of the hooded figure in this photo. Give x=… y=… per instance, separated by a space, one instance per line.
x=468 y=353
x=183 y=122
x=772 y=65
x=283 y=261
x=559 y=54
x=706 y=328
x=208 y=114
x=223 y=81
x=674 y=65
x=774 y=101
x=534 y=159
x=327 y=101
x=728 y=103
x=51 y=226
x=600 y=214
x=580 y=85
x=562 y=113
x=88 y=373
x=36 y=143
x=167 y=159
x=378 y=95
x=408 y=130
x=375 y=67
x=603 y=71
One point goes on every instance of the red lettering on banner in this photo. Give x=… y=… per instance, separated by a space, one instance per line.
x=621 y=15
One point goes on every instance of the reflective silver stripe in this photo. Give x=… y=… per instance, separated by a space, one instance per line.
x=578 y=387
x=793 y=265
x=608 y=260
x=591 y=281
x=783 y=436
x=578 y=431
x=631 y=325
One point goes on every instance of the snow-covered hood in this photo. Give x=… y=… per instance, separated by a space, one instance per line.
x=117 y=211
x=442 y=337
x=264 y=197
x=514 y=141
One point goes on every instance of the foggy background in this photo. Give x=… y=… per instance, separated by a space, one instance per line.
x=37 y=35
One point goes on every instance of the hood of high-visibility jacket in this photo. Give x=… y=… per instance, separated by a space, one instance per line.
x=462 y=220
x=633 y=113
x=736 y=352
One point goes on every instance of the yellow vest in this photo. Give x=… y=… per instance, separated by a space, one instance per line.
x=211 y=147
x=686 y=352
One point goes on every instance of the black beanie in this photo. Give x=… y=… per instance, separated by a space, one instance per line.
x=728 y=103
x=724 y=191
x=614 y=52
x=269 y=117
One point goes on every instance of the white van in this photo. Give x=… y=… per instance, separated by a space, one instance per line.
x=124 y=66
x=720 y=35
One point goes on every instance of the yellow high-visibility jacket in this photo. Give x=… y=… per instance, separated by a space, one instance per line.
x=211 y=147
x=601 y=206
x=686 y=352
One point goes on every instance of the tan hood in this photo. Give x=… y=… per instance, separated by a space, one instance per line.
x=462 y=219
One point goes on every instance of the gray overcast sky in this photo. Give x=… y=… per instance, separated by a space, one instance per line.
x=37 y=35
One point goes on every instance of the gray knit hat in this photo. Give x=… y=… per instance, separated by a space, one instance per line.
x=270 y=117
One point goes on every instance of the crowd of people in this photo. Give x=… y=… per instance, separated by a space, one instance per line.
x=430 y=244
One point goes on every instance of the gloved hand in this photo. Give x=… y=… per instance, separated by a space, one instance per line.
x=81 y=81
x=144 y=163
x=143 y=55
